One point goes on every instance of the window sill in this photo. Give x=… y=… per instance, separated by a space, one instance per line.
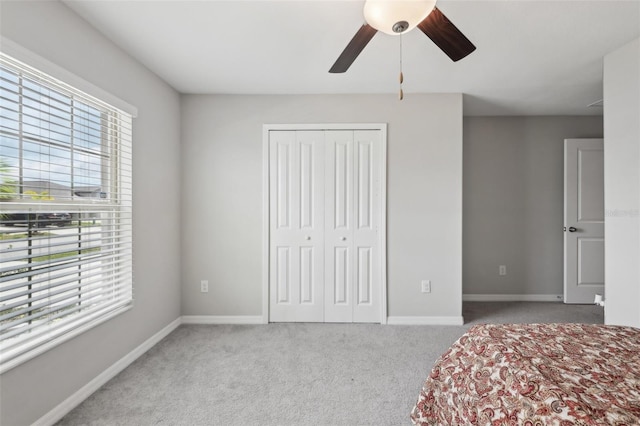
x=20 y=359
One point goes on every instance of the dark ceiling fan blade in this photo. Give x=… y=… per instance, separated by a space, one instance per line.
x=353 y=49
x=445 y=35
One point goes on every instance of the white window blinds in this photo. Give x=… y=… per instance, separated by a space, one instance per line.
x=65 y=211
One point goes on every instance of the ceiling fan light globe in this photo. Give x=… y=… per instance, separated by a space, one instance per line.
x=384 y=14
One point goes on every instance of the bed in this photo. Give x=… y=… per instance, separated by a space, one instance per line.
x=535 y=374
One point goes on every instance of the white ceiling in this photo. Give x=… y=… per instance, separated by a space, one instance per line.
x=532 y=58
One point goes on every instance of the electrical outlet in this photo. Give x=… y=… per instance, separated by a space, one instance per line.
x=426 y=286
x=502 y=270
x=204 y=286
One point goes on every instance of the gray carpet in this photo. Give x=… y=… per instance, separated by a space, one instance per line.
x=292 y=374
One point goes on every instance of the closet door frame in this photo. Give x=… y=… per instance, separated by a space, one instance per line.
x=382 y=235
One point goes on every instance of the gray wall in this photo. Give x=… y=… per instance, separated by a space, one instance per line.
x=52 y=31
x=622 y=185
x=513 y=201
x=222 y=195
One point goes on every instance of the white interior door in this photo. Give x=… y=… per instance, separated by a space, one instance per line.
x=583 y=220
x=296 y=226
x=325 y=225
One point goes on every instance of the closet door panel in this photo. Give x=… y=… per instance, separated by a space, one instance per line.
x=365 y=238
x=296 y=226
x=339 y=219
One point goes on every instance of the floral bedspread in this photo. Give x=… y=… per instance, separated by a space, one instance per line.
x=535 y=374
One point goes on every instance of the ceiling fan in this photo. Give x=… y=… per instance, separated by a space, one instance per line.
x=396 y=17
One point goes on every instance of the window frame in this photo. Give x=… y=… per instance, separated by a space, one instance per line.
x=122 y=201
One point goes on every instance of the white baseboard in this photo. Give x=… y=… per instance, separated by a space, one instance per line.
x=222 y=319
x=512 y=298
x=74 y=400
x=453 y=320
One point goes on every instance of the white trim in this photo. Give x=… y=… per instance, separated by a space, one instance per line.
x=326 y=126
x=32 y=59
x=407 y=320
x=265 y=223
x=512 y=298
x=383 y=226
x=222 y=319
x=83 y=393
x=266 y=128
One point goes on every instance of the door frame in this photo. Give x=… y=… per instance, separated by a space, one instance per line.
x=382 y=235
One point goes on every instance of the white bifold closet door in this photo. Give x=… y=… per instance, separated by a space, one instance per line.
x=324 y=222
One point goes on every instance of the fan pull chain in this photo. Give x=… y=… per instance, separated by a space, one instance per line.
x=401 y=94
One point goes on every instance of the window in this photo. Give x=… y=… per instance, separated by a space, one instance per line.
x=65 y=211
